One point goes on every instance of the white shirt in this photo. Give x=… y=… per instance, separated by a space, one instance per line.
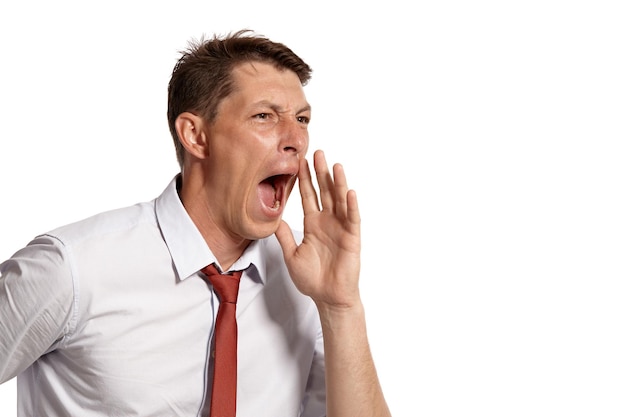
x=109 y=316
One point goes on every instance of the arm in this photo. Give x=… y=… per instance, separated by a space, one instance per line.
x=36 y=295
x=326 y=267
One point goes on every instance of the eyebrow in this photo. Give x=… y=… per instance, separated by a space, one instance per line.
x=278 y=109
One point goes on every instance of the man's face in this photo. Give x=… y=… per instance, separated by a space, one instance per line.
x=255 y=144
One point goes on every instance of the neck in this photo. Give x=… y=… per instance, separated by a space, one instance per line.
x=226 y=247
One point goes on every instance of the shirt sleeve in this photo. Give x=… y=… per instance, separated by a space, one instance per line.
x=36 y=299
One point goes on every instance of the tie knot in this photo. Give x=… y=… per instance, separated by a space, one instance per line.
x=225 y=285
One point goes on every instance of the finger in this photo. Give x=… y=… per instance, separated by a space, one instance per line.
x=307 y=190
x=286 y=240
x=324 y=180
x=354 y=216
x=341 y=191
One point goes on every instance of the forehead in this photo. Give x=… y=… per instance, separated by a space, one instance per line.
x=254 y=75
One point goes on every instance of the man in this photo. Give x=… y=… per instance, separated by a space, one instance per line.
x=115 y=314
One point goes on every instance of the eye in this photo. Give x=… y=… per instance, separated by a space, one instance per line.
x=303 y=119
x=262 y=116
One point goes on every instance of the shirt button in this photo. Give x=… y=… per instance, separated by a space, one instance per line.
x=213 y=353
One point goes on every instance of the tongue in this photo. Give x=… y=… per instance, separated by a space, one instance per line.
x=267 y=193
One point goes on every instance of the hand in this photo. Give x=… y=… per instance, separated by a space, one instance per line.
x=326 y=265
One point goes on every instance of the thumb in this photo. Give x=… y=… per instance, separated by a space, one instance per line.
x=286 y=239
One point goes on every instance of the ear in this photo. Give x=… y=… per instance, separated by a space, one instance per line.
x=190 y=130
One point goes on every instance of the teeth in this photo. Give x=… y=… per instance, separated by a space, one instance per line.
x=276 y=205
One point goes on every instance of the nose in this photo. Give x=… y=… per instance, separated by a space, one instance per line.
x=294 y=136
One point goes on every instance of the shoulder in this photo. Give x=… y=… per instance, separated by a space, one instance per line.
x=38 y=278
x=44 y=254
x=103 y=224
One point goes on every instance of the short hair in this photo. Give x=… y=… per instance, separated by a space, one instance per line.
x=202 y=77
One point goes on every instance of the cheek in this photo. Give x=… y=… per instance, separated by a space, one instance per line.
x=305 y=148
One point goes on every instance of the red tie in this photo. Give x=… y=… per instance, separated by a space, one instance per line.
x=224 y=394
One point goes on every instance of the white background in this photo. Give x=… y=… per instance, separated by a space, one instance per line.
x=485 y=140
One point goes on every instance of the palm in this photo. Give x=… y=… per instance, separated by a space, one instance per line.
x=326 y=264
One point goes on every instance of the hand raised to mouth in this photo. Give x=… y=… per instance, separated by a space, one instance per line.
x=326 y=265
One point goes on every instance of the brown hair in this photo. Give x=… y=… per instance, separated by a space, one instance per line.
x=201 y=78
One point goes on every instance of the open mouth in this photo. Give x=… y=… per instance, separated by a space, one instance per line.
x=273 y=190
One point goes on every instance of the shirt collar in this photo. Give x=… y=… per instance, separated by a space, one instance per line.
x=188 y=249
